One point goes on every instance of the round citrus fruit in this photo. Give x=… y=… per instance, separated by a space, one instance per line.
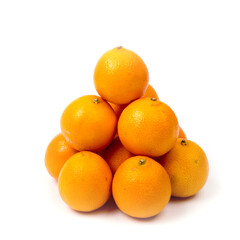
x=120 y=76
x=85 y=181
x=150 y=92
x=57 y=153
x=115 y=154
x=181 y=134
x=187 y=167
x=141 y=187
x=89 y=123
x=148 y=127
x=117 y=108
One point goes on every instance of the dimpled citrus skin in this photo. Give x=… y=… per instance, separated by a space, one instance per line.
x=182 y=134
x=115 y=154
x=89 y=123
x=148 y=127
x=141 y=189
x=57 y=153
x=187 y=167
x=120 y=76
x=84 y=182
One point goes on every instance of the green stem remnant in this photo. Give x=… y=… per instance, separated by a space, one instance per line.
x=141 y=162
x=153 y=99
x=96 y=100
x=184 y=142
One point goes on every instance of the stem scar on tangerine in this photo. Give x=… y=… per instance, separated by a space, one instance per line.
x=96 y=100
x=184 y=142
x=141 y=161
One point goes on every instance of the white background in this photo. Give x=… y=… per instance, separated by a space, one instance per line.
x=48 y=51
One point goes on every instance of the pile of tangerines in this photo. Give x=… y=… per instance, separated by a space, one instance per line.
x=125 y=143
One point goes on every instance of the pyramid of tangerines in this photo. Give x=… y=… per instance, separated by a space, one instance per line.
x=125 y=142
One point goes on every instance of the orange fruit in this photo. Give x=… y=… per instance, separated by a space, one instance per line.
x=141 y=187
x=115 y=154
x=117 y=108
x=148 y=127
x=181 y=133
x=89 y=123
x=84 y=182
x=187 y=167
x=120 y=76
x=150 y=92
x=57 y=153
